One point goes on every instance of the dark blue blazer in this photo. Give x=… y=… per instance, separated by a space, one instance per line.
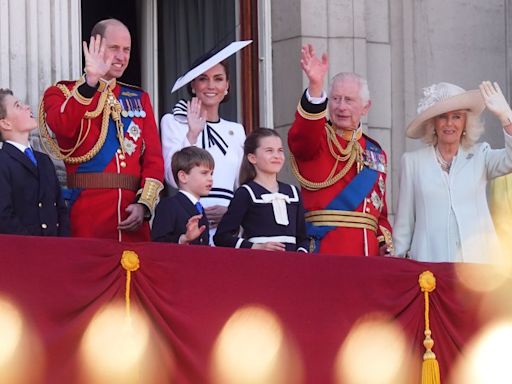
x=30 y=197
x=171 y=218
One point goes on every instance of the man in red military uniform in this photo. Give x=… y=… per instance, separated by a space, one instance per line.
x=107 y=136
x=342 y=171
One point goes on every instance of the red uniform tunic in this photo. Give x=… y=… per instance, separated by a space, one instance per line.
x=308 y=142
x=97 y=211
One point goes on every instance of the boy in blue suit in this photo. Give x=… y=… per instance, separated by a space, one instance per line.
x=180 y=218
x=30 y=195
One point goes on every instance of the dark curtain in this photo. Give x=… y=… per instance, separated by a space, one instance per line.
x=186 y=30
x=128 y=12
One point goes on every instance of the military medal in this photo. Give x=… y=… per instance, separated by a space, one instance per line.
x=124 y=112
x=142 y=111
x=130 y=109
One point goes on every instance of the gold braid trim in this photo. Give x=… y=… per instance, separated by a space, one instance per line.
x=150 y=194
x=107 y=104
x=352 y=153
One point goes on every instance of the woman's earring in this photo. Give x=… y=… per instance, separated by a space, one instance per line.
x=225 y=92
x=464 y=133
x=193 y=91
x=435 y=133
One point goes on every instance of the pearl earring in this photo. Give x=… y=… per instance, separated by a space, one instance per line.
x=225 y=92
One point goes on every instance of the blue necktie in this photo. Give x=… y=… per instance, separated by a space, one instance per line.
x=30 y=155
x=199 y=207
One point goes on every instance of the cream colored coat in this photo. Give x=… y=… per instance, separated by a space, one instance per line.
x=422 y=226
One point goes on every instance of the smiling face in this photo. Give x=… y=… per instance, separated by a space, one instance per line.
x=269 y=156
x=346 y=107
x=118 y=47
x=449 y=126
x=211 y=86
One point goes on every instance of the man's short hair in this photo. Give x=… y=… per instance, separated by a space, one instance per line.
x=188 y=158
x=101 y=26
x=3 y=110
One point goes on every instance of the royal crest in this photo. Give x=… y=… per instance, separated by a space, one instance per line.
x=134 y=131
x=382 y=185
x=376 y=201
x=129 y=146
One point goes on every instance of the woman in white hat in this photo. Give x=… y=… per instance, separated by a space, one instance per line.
x=442 y=213
x=197 y=122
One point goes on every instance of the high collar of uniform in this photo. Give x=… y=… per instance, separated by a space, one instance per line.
x=104 y=84
x=351 y=135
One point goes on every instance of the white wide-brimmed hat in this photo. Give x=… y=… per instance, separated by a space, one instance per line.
x=441 y=98
x=209 y=60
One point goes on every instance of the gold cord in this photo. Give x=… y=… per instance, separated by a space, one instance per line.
x=352 y=153
x=107 y=104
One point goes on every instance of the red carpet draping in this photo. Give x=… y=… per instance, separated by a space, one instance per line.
x=190 y=292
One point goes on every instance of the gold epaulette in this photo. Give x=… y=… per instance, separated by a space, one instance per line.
x=130 y=86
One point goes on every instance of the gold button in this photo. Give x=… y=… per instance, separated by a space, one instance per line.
x=121 y=157
x=40 y=204
x=44 y=226
x=119 y=151
x=367 y=209
x=123 y=164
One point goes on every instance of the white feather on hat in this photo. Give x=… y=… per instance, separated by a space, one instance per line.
x=442 y=98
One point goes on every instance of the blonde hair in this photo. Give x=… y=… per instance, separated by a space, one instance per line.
x=471 y=134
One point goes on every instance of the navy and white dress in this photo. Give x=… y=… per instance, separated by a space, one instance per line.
x=256 y=215
x=223 y=139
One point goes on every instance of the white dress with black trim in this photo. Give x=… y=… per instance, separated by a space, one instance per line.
x=256 y=215
x=223 y=139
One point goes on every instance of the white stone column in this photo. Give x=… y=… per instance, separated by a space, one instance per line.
x=40 y=43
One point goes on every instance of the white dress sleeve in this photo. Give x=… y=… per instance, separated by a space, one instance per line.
x=174 y=138
x=498 y=162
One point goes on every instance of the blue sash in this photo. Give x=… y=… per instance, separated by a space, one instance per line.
x=349 y=197
x=107 y=152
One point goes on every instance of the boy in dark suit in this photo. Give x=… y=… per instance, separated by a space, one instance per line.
x=30 y=195
x=180 y=218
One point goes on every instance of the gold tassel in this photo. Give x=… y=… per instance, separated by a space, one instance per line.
x=130 y=262
x=430 y=373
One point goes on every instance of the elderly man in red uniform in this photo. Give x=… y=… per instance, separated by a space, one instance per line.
x=342 y=171
x=107 y=136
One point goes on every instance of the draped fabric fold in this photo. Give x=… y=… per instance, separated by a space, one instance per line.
x=189 y=293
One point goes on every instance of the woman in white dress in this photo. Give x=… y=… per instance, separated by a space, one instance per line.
x=197 y=122
x=442 y=213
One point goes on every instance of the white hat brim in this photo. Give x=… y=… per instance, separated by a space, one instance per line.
x=211 y=62
x=469 y=100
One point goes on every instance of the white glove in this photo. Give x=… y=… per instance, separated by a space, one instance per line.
x=496 y=102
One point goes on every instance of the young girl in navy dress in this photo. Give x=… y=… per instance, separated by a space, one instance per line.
x=264 y=213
